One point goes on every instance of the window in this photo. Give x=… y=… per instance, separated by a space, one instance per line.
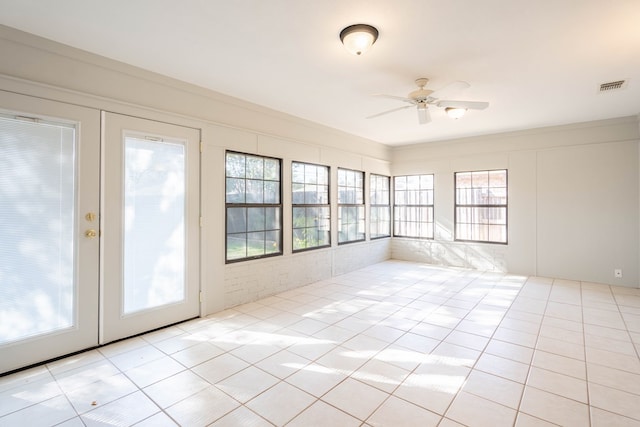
x=380 y=223
x=481 y=206
x=311 y=210
x=413 y=206
x=253 y=205
x=350 y=206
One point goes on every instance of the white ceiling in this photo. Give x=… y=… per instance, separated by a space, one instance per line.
x=538 y=63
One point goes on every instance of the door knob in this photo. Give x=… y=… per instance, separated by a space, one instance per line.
x=90 y=234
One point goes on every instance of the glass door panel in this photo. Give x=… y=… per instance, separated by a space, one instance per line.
x=151 y=225
x=154 y=223
x=48 y=268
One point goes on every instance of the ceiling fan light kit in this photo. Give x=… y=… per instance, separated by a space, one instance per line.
x=358 y=38
x=455 y=113
x=422 y=98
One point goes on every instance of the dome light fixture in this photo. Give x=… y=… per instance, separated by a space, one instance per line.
x=455 y=113
x=358 y=38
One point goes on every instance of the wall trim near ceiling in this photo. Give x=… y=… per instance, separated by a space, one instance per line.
x=86 y=78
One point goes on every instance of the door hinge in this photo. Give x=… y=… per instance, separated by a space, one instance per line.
x=201 y=221
x=200 y=296
x=201 y=146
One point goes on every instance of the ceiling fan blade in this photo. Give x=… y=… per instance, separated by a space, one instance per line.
x=399 y=98
x=389 y=111
x=469 y=105
x=423 y=115
x=450 y=88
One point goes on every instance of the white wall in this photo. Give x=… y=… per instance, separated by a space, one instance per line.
x=41 y=68
x=606 y=236
x=573 y=201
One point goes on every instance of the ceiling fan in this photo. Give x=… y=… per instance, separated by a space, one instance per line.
x=422 y=98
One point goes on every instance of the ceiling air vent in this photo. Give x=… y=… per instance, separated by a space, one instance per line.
x=608 y=87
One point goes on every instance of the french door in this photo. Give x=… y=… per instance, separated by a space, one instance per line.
x=49 y=246
x=150 y=226
x=99 y=227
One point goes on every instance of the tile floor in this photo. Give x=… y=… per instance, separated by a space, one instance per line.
x=393 y=344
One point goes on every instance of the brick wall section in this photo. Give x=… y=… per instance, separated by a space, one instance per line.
x=252 y=280
x=485 y=257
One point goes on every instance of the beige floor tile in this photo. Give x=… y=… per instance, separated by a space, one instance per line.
x=562 y=385
x=515 y=337
x=470 y=409
x=400 y=413
x=220 y=367
x=432 y=391
x=417 y=342
x=241 y=417
x=509 y=351
x=464 y=339
x=614 y=400
x=364 y=349
x=600 y=418
x=560 y=364
x=605 y=343
x=355 y=398
x=494 y=388
x=282 y=364
x=344 y=360
x=202 y=408
x=157 y=420
x=281 y=403
x=610 y=358
x=553 y=408
x=127 y=410
x=247 y=384
x=614 y=378
x=321 y=414
x=46 y=413
x=381 y=375
x=560 y=347
x=197 y=354
x=149 y=373
x=316 y=379
x=100 y=393
x=526 y=420
x=505 y=368
x=175 y=388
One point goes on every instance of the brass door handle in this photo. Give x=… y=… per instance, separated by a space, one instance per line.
x=90 y=234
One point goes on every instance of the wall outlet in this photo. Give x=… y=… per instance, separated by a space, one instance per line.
x=617 y=273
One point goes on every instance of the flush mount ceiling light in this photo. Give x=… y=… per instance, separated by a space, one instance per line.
x=455 y=113
x=357 y=39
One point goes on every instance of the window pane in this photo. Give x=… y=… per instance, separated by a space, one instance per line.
x=463 y=180
x=413 y=213
x=235 y=190
x=488 y=188
x=37 y=205
x=255 y=243
x=272 y=192
x=255 y=167
x=297 y=193
x=255 y=219
x=272 y=242
x=255 y=191
x=272 y=218
x=236 y=246
x=257 y=183
x=272 y=169
x=308 y=216
x=297 y=172
x=236 y=220
x=235 y=165
x=154 y=225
